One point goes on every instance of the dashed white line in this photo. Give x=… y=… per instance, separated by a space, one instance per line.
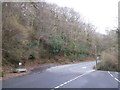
x=72 y=80
x=83 y=67
x=117 y=79
x=113 y=77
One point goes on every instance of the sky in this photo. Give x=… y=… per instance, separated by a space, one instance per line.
x=103 y=14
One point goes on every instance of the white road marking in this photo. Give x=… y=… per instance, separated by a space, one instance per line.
x=117 y=80
x=113 y=77
x=110 y=74
x=83 y=67
x=72 y=79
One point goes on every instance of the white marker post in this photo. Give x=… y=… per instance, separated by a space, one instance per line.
x=20 y=65
x=97 y=59
x=96 y=55
x=20 y=68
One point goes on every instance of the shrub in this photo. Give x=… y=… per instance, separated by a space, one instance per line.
x=56 y=45
x=109 y=61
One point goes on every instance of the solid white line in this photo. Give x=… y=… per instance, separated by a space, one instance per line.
x=72 y=79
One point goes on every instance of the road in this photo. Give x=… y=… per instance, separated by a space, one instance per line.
x=81 y=75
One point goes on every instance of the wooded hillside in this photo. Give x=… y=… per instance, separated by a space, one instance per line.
x=41 y=31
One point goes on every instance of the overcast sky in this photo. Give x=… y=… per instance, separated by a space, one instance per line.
x=101 y=13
